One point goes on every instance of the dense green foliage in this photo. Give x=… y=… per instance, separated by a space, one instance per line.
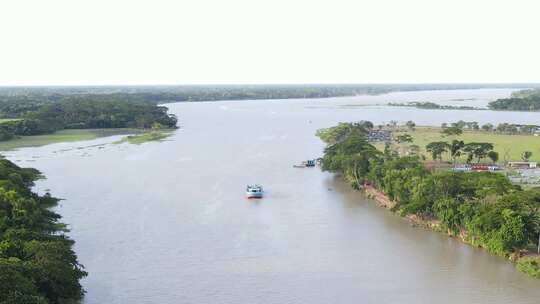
x=37 y=263
x=526 y=100
x=529 y=265
x=491 y=211
x=80 y=112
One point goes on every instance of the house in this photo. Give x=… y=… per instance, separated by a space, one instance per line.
x=522 y=165
x=476 y=167
x=379 y=136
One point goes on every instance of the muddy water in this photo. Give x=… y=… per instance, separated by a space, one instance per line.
x=167 y=222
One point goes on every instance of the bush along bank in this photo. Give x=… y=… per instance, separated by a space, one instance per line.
x=482 y=208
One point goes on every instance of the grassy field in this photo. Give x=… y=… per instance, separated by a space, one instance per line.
x=509 y=146
x=60 y=136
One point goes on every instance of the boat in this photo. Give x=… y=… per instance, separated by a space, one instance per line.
x=254 y=191
x=310 y=163
x=306 y=164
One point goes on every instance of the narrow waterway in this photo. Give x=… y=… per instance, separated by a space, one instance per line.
x=167 y=222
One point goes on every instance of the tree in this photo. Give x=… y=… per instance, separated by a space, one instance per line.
x=487 y=127
x=454 y=130
x=351 y=156
x=411 y=125
x=366 y=124
x=526 y=155
x=460 y=124
x=436 y=149
x=455 y=149
x=342 y=131
x=472 y=125
x=404 y=138
x=477 y=150
x=494 y=156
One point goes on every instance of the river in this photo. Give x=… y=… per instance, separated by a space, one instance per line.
x=166 y=222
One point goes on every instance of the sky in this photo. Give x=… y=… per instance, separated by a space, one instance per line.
x=111 y=42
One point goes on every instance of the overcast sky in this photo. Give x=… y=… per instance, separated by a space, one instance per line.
x=78 y=42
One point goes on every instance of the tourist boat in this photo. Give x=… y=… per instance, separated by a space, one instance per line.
x=254 y=191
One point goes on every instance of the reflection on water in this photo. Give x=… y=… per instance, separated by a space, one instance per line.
x=168 y=223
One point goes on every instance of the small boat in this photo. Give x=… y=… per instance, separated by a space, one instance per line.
x=306 y=164
x=254 y=191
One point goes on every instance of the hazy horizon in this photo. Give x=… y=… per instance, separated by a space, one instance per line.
x=490 y=84
x=205 y=42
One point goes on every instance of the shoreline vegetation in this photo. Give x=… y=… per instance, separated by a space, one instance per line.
x=29 y=119
x=433 y=106
x=37 y=261
x=524 y=100
x=156 y=134
x=483 y=209
x=26 y=116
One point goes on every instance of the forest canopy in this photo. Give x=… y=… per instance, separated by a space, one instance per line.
x=525 y=100
x=37 y=262
x=42 y=116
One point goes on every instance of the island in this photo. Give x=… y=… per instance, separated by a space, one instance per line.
x=74 y=117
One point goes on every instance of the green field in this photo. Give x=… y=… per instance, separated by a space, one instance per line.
x=508 y=146
x=61 y=136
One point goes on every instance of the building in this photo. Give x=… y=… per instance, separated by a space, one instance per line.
x=379 y=136
x=476 y=167
x=522 y=165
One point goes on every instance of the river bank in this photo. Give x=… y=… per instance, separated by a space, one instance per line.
x=69 y=135
x=527 y=262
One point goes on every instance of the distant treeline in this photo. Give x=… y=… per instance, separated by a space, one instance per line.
x=526 y=100
x=503 y=128
x=37 y=262
x=162 y=94
x=34 y=116
x=432 y=106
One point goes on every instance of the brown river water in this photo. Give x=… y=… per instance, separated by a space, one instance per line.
x=167 y=222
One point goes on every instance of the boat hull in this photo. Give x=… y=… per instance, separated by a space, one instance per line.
x=254 y=194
